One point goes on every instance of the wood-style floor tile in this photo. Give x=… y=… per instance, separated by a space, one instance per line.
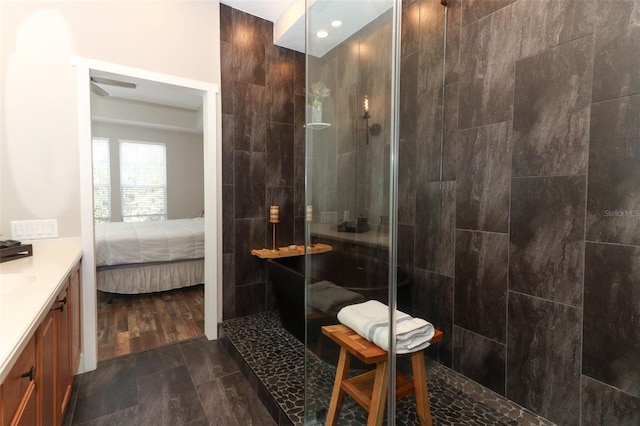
x=168 y=397
x=138 y=322
x=110 y=388
x=230 y=401
x=207 y=360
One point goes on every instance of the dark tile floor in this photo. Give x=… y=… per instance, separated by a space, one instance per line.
x=189 y=383
x=196 y=382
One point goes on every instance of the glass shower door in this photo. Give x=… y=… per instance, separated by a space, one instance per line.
x=350 y=185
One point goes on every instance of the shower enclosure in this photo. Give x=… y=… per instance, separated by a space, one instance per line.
x=355 y=141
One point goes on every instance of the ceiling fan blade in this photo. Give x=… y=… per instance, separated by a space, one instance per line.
x=98 y=90
x=110 y=82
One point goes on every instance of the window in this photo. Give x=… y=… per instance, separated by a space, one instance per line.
x=101 y=181
x=143 y=181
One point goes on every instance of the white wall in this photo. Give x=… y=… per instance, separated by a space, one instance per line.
x=185 y=169
x=39 y=169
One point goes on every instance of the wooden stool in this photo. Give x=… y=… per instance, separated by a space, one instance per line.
x=370 y=389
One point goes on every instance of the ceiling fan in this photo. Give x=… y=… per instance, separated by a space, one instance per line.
x=108 y=82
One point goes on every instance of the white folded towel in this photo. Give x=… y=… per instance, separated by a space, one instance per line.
x=371 y=320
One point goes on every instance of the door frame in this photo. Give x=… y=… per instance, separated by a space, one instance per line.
x=212 y=150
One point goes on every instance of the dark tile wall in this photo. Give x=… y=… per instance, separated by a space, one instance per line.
x=263 y=154
x=520 y=206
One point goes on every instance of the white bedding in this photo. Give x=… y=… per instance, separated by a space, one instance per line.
x=120 y=243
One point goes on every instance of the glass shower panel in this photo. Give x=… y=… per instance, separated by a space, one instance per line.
x=349 y=195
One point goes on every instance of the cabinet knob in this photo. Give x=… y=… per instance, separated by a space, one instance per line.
x=30 y=374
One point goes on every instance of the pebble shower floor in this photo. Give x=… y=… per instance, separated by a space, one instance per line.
x=277 y=360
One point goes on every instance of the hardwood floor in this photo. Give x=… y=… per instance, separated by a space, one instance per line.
x=137 y=322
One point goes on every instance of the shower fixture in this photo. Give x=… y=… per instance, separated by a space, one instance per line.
x=374 y=129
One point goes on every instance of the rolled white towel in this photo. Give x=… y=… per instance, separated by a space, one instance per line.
x=371 y=320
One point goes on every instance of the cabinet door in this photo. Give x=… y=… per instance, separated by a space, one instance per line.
x=75 y=308
x=28 y=416
x=63 y=324
x=46 y=369
x=18 y=389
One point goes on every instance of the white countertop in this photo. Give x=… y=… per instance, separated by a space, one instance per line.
x=23 y=305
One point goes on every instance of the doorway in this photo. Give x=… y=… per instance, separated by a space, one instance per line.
x=212 y=195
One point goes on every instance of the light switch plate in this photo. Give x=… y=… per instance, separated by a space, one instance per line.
x=34 y=229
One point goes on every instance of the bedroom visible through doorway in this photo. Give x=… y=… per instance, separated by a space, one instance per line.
x=148 y=196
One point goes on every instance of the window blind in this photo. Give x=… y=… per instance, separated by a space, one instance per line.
x=143 y=181
x=101 y=181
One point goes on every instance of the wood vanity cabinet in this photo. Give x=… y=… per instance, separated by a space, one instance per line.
x=19 y=389
x=50 y=359
x=59 y=356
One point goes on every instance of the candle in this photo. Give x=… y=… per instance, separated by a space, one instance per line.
x=309 y=213
x=274 y=213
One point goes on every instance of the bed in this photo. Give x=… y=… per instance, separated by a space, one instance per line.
x=149 y=257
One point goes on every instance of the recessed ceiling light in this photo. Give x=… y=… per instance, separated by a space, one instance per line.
x=322 y=34
x=336 y=23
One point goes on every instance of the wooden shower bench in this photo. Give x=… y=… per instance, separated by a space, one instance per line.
x=370 y=389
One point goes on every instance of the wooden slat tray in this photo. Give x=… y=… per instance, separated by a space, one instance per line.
x=266 y=253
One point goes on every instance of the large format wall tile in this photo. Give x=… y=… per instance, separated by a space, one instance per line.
x=407 y=160
x=227 y=149
x=450 y=131
x=431 y=46
x=228 y=219
x=406 y=237
x=428 y=226
x=551 y=111
x=280 y=87
x=545 y=24
x=226 y=77
x=448 y=228
x=547 y=237
x=249 y=41
x=249 y=129
x=249 y=178
x=408 y=98
x=452 y=48
x=298 y=126
x=432 y=299
x=299 y=206
x=279 y=171
x=483 y=170
x=480 y=359
x=612 y=316
x=613 y=191
x=481 y=283
x=263 y=101
x=250 y=234
x=226 y=23
x=410 y=30
x=250 y=299
x=487 y=58
x=429 y=144
x=473 y=10
x=615 y=67
x=228 y=286
x=435 y=214
x=543 y=349
x=604 y=405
